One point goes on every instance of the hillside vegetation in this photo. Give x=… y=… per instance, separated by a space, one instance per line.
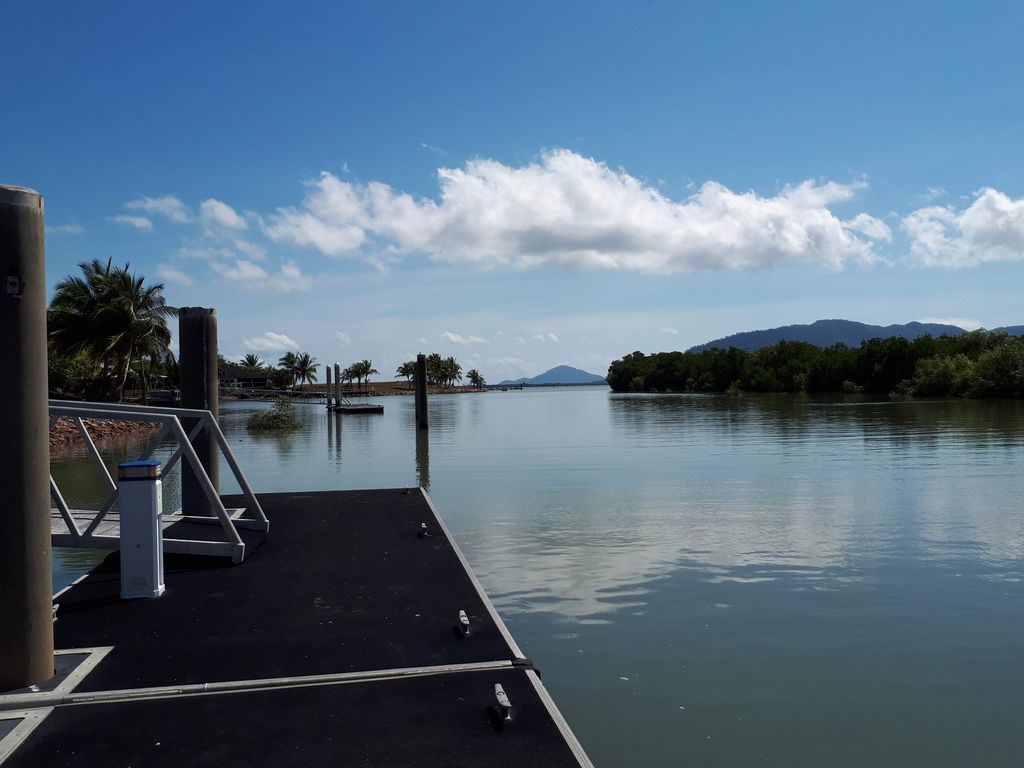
x=977 y=364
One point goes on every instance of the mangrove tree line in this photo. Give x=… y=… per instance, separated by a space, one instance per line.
x=977 y=364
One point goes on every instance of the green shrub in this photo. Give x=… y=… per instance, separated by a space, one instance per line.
x=281 y=416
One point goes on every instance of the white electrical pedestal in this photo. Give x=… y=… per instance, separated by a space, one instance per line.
x=142 y=539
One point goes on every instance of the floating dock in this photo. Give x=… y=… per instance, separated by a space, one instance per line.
x=356 y=408
x=356 y=633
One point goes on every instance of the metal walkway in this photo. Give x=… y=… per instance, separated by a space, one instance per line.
x=229 y=533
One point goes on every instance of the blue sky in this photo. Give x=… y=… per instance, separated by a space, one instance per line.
x=525 y=184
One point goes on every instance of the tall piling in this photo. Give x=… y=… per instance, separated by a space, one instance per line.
x=26 y=589
x=330 y=391
x=421 y=391
x=337 y=385
x=197 y=362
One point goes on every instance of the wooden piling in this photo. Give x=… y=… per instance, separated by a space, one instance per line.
x=26 y=616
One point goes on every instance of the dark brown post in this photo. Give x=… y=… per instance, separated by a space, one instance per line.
x=421 y=392
x=26 y=589
x=197 y=362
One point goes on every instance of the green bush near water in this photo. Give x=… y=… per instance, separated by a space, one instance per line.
x=281 y=416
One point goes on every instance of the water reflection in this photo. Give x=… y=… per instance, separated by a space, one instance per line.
x=423 y=458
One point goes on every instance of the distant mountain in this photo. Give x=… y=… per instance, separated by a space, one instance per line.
x=559 y=375
x=823 y=333
x=1013 y=330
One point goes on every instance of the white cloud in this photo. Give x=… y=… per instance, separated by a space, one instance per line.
x=65 y=229
x=991 y=228
x=966 y=323
x=167 y=206
x=870 y=227
x=343 y=339
x=171 y=274
x=544 y=338
x=270 y=342
x=456 y=338
x=250 y=249
x=214 y=213
x=569 y=210
x=139 y=222
x=287 y=279
x=931 y=194
x=669 y=331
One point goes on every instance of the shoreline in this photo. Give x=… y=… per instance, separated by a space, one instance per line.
x=65 y=434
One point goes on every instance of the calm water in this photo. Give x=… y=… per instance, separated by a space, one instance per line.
x=717 y=581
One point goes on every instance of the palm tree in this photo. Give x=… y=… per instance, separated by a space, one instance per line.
x=111 y=314
x=407 y=369
x=366 y=369
x=451 y=371
x=72 y=318
x=287 y=362
x=252 y=364
x=305 y=368
x=435 y=369
x=475 y=378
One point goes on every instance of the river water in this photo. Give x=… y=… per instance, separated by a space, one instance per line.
x=715 y=580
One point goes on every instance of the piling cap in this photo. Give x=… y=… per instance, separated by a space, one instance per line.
x=138 y=470
x=14 y=195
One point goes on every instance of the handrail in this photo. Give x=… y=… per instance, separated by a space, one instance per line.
x=170 y=418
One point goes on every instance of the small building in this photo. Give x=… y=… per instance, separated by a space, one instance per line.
x=234 y=376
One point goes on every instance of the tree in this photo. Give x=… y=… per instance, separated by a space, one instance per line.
x=305 y=368
x=452 y=371
x=366 y=369
x=114 y=317
x=475 y=378
x=407 y=369
x=360 y=371
x=252 y=364
x=434 y=369
x=287 y=362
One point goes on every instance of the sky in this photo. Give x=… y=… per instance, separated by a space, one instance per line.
x=527 y=184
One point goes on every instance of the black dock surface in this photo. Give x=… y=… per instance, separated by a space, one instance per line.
x=346 y=588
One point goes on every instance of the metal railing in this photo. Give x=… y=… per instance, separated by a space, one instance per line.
x=96 y=529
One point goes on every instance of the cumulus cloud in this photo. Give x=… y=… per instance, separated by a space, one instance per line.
x=65 y=229
x=573 y=211
x=462 y=341
x=343 y=339
x=669 y=331
x=250 y=276
x=990 y=229
x=214 y=213
x=139 y=222
x=250 y=249
x=270 y=342
x=167 y=206
x=544 y=338
x=171 y=274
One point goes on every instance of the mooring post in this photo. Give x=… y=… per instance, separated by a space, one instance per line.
x=26 y=589
x=421 y=391
x=337 y=385
x=330 y=392
x=197 y=362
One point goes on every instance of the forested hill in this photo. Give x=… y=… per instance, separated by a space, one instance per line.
x=560 y=374
x=824 y=333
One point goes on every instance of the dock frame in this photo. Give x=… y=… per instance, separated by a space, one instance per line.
x=100 y=529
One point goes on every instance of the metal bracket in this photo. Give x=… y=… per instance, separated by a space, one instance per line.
x=504 y=705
